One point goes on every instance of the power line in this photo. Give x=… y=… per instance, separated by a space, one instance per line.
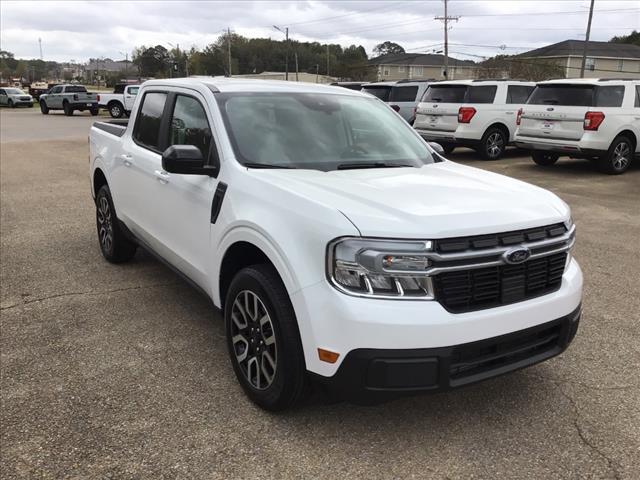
x=317 y=20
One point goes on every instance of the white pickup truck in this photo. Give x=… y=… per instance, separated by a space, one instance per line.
x=343 y=250
x=121 y=101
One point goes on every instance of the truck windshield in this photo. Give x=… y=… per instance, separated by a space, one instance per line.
x=318 y=131
x=568 y=95
x=75 y=89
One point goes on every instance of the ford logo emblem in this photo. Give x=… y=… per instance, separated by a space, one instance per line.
x=550 y=109
x=517 y=255
x=435 y=106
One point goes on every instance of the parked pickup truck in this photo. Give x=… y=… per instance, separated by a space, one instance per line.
x=69 y=98
x=121 y=101
x=344 y=251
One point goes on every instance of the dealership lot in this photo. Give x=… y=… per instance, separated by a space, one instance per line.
x=121 y=371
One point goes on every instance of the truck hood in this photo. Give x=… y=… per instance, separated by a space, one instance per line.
x=436 y=201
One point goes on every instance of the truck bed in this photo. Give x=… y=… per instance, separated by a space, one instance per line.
x=114 y=127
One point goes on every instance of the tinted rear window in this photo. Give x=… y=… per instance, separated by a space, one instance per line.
x=609 y=96
x=404 y=94
x=518 y=93
x=570 y=95
x=75 y=89
x=147 y=129
x=445 y=94
x=481 y=94
x=381 y=92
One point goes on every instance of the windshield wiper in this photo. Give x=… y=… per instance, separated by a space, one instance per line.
x=355 y=165
x=265 y=165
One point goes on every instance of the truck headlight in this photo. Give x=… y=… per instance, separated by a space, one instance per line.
x=380 y=268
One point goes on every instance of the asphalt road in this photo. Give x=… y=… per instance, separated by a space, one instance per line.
x=121 y=371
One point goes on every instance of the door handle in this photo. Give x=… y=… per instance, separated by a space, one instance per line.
x=162 y=176
x=126 y=159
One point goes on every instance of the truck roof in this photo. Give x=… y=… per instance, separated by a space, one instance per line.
x=230 y=84
x=587 y=81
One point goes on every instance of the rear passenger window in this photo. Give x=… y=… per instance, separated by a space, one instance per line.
x=483 y=94
x=518 y=93
x=403 y=94
x=147 y=129
x=609 y=96
x=637 y=104
x=189 y=125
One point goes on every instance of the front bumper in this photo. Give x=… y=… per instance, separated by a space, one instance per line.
x=374 y=375
x=331 y=320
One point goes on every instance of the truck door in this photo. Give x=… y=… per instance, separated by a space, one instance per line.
x=130 y=94
x=185 y=201
x=54 y=99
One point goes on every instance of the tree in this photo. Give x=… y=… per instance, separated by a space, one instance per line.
x=507 y=66
x=387 y=48
x=152 y=61
x=633 y=38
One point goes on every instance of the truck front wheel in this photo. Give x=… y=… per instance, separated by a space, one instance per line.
x=263 y=338
x=43 y=107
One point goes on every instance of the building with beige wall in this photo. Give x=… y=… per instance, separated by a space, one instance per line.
x=604 y=59
x=420 y=66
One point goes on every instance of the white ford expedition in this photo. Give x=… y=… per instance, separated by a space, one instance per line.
x=584 y=118
x=480 y=114
x=343 y=250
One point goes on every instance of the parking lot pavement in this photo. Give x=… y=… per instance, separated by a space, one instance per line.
x=121 y=371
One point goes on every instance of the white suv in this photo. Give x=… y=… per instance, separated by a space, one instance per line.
x=598 y=119
x=403 y=96
x=480 y=114
x=341 y=248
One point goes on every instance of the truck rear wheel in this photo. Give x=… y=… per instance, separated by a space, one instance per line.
x=95 y=111
x=493 y=144
x=116 y=110
x=618 y=158
x=114 y=244
x=43 y=107
x=263 y=339
x=68 y=111
x=544 y=159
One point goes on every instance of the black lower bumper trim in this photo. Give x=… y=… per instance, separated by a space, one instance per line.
x=375 y=375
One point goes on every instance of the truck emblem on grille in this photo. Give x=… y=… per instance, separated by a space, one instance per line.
x=517 y=255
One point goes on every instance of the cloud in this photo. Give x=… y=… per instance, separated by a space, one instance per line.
x=81 y=29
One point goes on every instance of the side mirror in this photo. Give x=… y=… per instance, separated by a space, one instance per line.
x=437 y=147
x=186 y=160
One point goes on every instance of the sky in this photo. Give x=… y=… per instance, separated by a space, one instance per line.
x=79 y=30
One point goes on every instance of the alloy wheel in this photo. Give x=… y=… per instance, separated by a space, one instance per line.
x=621 y=156
x=495 y=144
x=105 y=224
x=253 y=340
x=115 y=111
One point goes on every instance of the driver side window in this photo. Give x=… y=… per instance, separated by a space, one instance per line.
x=189 y=125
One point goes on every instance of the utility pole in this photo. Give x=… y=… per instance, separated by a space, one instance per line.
x=296 y=54
x=40 y=44
x=586 y=40
x=446 y=19
x=229 y=48
x=286 y=55
x=327 y=60
x=317 y=71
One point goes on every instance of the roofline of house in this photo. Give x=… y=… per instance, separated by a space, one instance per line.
x=578 y=56
x=414 y=65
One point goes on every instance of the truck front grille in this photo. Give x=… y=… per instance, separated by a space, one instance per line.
x=467 y=290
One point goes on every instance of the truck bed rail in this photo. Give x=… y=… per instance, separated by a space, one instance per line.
x=114 y=127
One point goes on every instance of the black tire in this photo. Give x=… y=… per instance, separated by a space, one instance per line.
x=31 y=105
x=544 y=159
x=10 y=104
x=116 y=110
x=618 y=157
x=288 y=380
x=448 y=147
x=43 y=107
x=68 y=111
x=493 y=144
x=95 y=111
x=114 y=244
